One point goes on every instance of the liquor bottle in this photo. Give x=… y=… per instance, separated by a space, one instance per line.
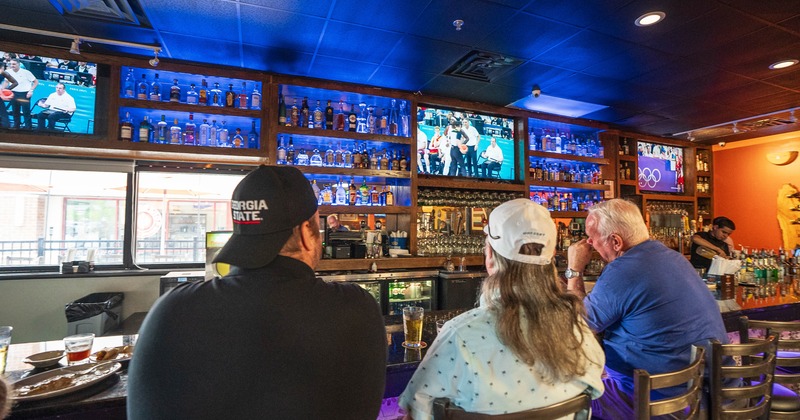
x=294 y=116
x=302 y=158
x=175 y=91
x=373 y=160
x=319 y=118
x=361 y=119
x=155 y=89
x=204 y=134
x=191 y=96
x=290 y=155
x=382 y=196
x=213 y=134
x=383 y=125
x=141 y=89
x=189 y=133
x=374 y=197
x=389 y=196
x=242 y=102
x=223 y=136
x=357 y=156
x=202 y=97
x=347 y=158
x=255 y=98
x=404 y=166
x=339 y=118
x=393 y=119
x=384 y=162
x=281 y=158
x=352 y=192
x=316 y=158
x=126 y=128
x=404 y=125
x=145 y=131
x=304 y=113
x=330 y=156
x=327 y=195
x=230 y=97
x=315 y=188
x=363 y=191
x=175 y=133
x=352 y=118
x=281 y=110
x=215 y=98
x=238 y=139
x=128 y=88
x=329 y=116
x=395 y=161
x=338 y=157
x=162 y=133
x=252 y=136
x=372 y=125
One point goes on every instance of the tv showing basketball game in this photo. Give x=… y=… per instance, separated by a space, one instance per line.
x=460 y=143
x=47 y=94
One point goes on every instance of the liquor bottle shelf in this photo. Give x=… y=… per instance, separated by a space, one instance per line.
x=329 y=209
x=467 y=184
x=568 y=214
x=570 y=185
x=392 y=263
x=563 y=156
x=352 y=172
x=336 y=134
x=183 y=107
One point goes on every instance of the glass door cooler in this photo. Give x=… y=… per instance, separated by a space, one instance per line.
x=368 y=282
x=413 y=288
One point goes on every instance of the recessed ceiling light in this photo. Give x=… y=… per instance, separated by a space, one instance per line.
x=782 y=64
x=650 y=18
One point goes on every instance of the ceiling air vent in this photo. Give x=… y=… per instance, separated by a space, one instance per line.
x=483 y=66
x=117 y=11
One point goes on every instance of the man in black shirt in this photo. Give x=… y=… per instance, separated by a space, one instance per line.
x=705 y=244
x=269 y=340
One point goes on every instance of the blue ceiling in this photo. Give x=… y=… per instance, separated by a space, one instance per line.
x=705 y=64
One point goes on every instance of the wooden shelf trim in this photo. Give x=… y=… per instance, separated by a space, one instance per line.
x=353 y=172
x=328 y=209
x=189 y=108
x=562 y=156
x=627 y=158
x=467 y=184
x=336 y=134
x=628 y=182
x=399 y=262
x=572 y=185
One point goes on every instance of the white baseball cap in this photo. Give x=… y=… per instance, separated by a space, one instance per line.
x=519 y=222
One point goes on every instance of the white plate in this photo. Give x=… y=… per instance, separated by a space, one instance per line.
x=104 y=370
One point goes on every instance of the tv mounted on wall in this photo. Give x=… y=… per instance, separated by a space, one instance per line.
x=660 y=168
x=79 y=80
x=461 y=143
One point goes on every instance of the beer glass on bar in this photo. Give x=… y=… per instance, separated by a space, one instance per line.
x=78 y=347
x=412 y=327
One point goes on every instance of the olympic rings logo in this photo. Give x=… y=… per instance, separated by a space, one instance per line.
x=648 y=176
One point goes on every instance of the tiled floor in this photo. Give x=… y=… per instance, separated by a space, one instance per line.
x=390 y=410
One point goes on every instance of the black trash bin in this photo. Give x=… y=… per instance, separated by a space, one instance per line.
x=95 y=313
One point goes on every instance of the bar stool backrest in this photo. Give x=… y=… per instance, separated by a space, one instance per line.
x=578 y=406
x=750 y=400
x=688 y=403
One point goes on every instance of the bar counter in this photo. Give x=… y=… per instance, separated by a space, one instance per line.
x=107 y=399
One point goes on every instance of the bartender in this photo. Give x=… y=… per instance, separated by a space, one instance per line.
x=334 y=225
x=715 y=241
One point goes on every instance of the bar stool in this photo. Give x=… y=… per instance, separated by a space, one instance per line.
x=751 y=399
x=785 y=402
x=687 y=404
x=578 y=406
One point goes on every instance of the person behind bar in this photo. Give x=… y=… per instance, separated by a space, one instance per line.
x=649 y=303
x=515 y=351
x=270 y=339
x=715 y=241
x=334 y=225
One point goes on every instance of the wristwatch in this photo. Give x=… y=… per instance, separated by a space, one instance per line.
x=570 y=273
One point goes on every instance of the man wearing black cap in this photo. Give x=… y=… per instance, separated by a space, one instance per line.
x=269 y=340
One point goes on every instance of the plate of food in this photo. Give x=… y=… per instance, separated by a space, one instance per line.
x=118 y=353
x=62 y=381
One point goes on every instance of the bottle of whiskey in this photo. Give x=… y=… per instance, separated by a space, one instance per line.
x=281 y=158
x=371 y=120
x=202 y=97
x=255 y=98
x=175 y=91
x=290 y=155
x=230 y=97
x=352 y=118
x=126 y=128
x=281 y=111
x=252 y=136
x=347 y=157
x=175 y=132
x=191 y=96
x=294 y=116
x=304 y=113
x=223 y=136
x=155 y=89
x=330 y=156
x=238 y=139
x=145 y=131
x=141 y=89
x=329 y=116
x=389 y=196
x=352 y=193
x=384 y=162
x=242 y=102
x=215 y=98
x=204 y=133
x=319 y=118
x=339 y=120
x=128 y=88
x=189 y=133
x=374 y=197
x=357 y=156
x=162 y=133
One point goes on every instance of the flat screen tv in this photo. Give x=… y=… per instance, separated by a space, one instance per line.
x=461 y=143
x=79 y=79
x=660 y=168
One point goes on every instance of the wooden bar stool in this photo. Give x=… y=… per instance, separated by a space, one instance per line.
x=785 y=402
x=751 y=399
x=577 y=406
x=686 y=405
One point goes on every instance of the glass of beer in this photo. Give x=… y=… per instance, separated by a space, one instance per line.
x=78 y=347
x=412 y=327
x=5 y=341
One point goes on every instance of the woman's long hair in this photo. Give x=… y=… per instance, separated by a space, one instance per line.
x=535 y=317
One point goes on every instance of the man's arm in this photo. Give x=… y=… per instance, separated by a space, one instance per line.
x=34 y=84
x=697 y=239
x=578 y=256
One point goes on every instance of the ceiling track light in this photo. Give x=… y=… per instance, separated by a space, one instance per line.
x=75 y=48
x=736 y=129
x=77 y=39
x=689 y=136
x=458 y=23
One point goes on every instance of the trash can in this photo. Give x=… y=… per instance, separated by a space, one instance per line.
x=95 y=313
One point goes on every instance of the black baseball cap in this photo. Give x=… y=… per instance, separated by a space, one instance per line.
x=266 y=205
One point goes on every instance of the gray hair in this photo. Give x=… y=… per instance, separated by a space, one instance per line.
x=621 y=217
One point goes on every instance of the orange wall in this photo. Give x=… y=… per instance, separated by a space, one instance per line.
x=746 y=187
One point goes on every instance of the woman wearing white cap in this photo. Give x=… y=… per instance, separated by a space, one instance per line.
x=515 y=351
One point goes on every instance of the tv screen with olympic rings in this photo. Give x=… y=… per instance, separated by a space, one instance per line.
x=660 y=168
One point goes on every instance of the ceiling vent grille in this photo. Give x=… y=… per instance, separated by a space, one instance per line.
x=483 y=66
x=117 y=11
